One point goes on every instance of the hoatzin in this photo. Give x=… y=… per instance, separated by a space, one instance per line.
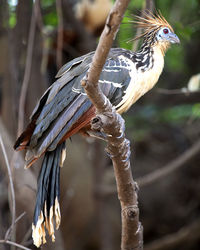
x=65 y=110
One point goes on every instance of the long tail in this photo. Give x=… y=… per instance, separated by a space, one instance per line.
x=47 y=208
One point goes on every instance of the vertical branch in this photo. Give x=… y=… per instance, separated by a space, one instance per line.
x=148 y=6
x=112 y=124
x=38 y=15
x=60 y=31
x=27 y=73
x=13 y=212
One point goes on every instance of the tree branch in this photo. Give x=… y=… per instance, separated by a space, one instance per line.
x=159 y=173
x=9 y=231
x=148 y=6
x=59 y=34
x=13 y=210
x=13 y=244
x=182 y=91
x=23 y=180
x=170 y=167
x=176 y=240
x=112 y=124
x=27 y=72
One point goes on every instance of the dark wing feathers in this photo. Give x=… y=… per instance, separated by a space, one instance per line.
x=41 y=142
x=51 y=111
x=65 y=102
x=81 y=61
x=67 y=73
x=85 y=106
x=62 y=99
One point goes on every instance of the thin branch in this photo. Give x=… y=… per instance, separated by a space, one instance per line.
x=38 y=13
x=170 y=167
x=21 y=178
x=112 y=124
x=172 y=241
x=44 y=36
x=161 y=172
x=148 y=5
x=60 y=31
x=8 y=232
x=181 y=91
x=27 y=72
x=13 y=212
x=13 y=244
x=26 y=237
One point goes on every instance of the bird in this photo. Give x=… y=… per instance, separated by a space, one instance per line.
x=65 y=110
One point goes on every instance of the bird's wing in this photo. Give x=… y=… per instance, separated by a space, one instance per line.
x=68 y=71
x=65 y=108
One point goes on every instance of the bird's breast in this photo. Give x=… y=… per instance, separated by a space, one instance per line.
x=141 y=81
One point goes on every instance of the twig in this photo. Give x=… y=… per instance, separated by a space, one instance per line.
x=13 y=244
x=181 y=91
x=112 y=124
x=161 y=172
x=13 y=212
x=27 y=236
x=170 y=167
x=59 y=34
x=149 y=5
x=172 y=241
x=27 y=73
x=38 y=14
x=44 y=36
x=8 y=232
x=21 y=177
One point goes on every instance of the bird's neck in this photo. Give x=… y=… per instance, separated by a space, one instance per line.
x=143 y=59
x=152 y=43
x=149 y=52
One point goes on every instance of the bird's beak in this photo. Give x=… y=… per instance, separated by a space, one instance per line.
x=173 y=38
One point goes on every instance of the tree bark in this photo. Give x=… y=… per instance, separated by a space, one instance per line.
x=112 y=124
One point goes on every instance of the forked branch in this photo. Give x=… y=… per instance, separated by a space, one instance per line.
x=112 y=124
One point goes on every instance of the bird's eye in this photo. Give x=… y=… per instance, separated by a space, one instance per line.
x=165 y=31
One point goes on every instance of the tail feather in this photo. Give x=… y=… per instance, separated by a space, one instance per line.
x=47 y=209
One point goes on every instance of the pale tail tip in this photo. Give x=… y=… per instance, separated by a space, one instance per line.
x=46 y=222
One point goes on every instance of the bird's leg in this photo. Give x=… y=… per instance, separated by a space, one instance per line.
x=97 y=134
x=96 y=131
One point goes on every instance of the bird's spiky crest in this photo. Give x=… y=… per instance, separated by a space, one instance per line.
x=150 y=22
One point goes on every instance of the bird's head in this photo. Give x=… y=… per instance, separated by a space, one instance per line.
x=166 y=35
x=156 y=30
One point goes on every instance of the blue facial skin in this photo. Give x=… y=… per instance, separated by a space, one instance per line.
x=165 y=34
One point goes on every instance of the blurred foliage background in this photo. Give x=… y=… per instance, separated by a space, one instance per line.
x=36 y=38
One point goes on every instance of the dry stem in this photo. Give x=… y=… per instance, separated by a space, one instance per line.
x=11 y=184
x=13 y=244
x=148 y=5
x=112 y=124
x=177 y=239
x=60 y=31
x=170 y=167
x=27 y=73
